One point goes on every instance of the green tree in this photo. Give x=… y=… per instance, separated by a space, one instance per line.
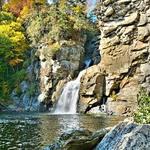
x=12 y=40
x=60 y=21
x=13 y=46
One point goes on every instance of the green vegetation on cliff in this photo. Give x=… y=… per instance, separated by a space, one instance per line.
x=61 y=21
x=32 y=23
x=143 y=113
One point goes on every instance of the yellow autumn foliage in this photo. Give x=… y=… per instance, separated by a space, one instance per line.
x=12 y=32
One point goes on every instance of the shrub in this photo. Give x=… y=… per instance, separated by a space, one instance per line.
x=54 y=48
x=34 y=30
x=143 y=113
x=6 y=16
x=19 y=76
x=114 y=96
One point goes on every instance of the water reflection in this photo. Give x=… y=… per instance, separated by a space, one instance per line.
x=17 y=134
x=68 y=123
x=35 y=131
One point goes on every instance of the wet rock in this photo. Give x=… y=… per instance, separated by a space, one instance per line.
x=126 y=136
x=58 y=91
x=78 y=139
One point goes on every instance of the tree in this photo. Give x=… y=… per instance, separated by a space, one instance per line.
x=17 y=6
x=13 y=45
x=12 y=32
x=59 y=21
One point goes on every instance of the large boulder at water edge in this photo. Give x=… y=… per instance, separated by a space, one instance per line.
x=78 y=140
x=126 y=136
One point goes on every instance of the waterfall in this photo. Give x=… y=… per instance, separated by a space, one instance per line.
x=67 y=103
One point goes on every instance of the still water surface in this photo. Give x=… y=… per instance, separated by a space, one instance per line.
x=35 y=131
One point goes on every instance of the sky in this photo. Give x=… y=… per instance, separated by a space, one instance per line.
x=90 y=7
x=50 y=1
x=91 y=4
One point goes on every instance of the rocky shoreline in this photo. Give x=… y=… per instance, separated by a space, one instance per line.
x=126 y=135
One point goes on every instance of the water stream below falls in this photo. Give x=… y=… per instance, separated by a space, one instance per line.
x=33 y=131
x=67 y=103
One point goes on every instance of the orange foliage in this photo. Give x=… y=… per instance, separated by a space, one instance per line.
x=15 y=61
x=16 y=6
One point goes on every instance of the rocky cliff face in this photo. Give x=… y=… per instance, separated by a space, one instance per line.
x=58 y=40
x=57 y=70
x=92 y=89
x=49 y=72
x=124 y=48
x=25 y=97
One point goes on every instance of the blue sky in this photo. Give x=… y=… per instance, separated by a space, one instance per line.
x=91 y=4
x=50 y=1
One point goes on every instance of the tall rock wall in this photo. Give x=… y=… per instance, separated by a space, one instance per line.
x=125 y=48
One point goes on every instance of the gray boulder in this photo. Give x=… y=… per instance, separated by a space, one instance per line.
x=126 y=136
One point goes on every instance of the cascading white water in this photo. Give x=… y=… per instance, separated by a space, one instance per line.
x=67 y=103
